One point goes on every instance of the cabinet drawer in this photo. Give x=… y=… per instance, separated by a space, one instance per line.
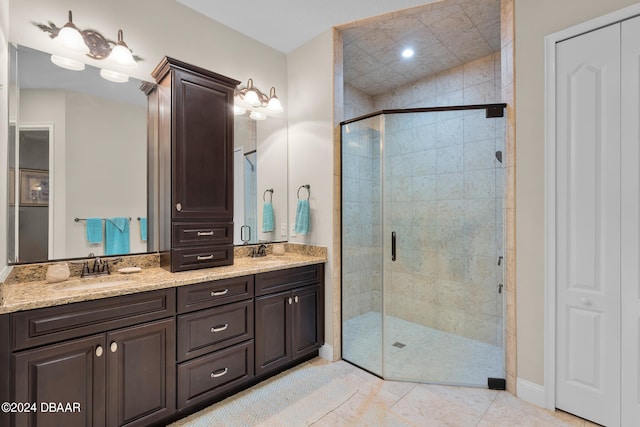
x=281 y=280
x=202 y=257
x=212 y=375
x=212 y=329
x=202 y=233
x=51 y=324
x=214 y=293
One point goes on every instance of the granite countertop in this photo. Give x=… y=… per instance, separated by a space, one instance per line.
x=37 y=294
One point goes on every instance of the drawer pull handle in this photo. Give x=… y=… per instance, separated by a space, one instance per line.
x=218 y=293
x=219 y=373
x=205 y=233
x=204 y=258
x=220 y=328
x=295 y=298
x=99 y=351
x=114 y=347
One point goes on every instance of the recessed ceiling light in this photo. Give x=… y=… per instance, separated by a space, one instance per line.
x=407 y=53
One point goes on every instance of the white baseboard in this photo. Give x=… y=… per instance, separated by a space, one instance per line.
x=326 y=352
x=4 y=272
x=531 y=392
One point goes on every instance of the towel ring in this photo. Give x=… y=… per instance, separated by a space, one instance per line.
x=268 y=190
x=308 y=187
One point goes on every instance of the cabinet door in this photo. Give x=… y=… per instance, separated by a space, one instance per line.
x=272 y=331
x=72 y=373
x=141 y=374
x=307 y=332
x=202 y=148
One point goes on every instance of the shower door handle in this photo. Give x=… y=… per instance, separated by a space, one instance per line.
x=393 y=246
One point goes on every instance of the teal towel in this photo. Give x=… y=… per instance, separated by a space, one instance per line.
x=94 y=230
x=143 y=229
x=267 y=217
x=302 y=217
x=117 y=236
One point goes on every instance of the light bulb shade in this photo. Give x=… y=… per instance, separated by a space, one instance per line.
x=70 y=38
x=121 y=55
x=251 y=97
x=238 y=111
x=275 y=105
x=113 y=76
x=257 y=116
x=69 y=64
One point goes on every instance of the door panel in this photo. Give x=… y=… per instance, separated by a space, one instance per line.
x=141 y=373
x=588 y=226
x=273 y=348
x=630 y=261
x=68 y=372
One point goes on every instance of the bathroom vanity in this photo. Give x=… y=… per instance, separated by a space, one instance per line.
x=182 y=342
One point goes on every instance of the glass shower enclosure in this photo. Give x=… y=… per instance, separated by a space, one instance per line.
x=422 y=244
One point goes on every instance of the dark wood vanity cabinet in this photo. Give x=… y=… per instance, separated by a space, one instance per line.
x=151 y=357
x=194 y=116
x=215 y=339
x=122 y=374
x=289 y=322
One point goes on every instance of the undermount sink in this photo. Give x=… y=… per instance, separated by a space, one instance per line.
x=88 y=285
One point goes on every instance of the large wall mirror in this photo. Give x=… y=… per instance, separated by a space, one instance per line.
x=77 y=149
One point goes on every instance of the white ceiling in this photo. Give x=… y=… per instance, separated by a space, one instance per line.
x=287 y=24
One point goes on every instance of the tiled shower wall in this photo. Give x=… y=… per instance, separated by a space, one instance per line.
x=446 y=275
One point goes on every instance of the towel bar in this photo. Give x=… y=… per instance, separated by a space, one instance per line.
x=84 y=219
x=308 y=187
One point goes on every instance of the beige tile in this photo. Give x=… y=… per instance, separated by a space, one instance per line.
x=508 y=410
x=332 y=420
x=440 y=406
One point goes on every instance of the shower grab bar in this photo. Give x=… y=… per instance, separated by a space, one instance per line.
x=393 y=246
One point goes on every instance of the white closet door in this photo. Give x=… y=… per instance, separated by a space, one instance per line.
x=588 y=226
x=630 y=261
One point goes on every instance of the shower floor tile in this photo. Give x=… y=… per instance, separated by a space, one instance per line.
x=428 y=355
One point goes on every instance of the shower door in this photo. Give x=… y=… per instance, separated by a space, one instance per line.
x=422 y=246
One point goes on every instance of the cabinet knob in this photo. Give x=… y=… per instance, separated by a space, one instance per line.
x=218 y=293
x=178 y=206
x=219 y=373
x=295 y=298
x=220 y=328
x=99 y=351
x=585 y=301
x=290 y=300
x=114 y=347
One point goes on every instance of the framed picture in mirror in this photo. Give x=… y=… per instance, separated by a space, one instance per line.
x=34 y=187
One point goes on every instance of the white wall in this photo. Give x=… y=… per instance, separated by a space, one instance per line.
x=95 y=149
x=310 y=70
x=534 y=20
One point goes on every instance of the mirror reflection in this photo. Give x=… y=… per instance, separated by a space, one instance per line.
x=78 y=150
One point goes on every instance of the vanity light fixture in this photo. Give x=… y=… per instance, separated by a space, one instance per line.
x=254 y=97
x=256 y=115
x=91 y=43
x=239 y=111
x=70 y=37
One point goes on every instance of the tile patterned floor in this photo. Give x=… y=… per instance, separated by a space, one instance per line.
x=428 y=355
x=373 y=402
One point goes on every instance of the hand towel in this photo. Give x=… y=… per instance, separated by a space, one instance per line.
x=143 y=229
x=94 y=230
x=267 y=217
x=302 y=217
x=117 y=236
